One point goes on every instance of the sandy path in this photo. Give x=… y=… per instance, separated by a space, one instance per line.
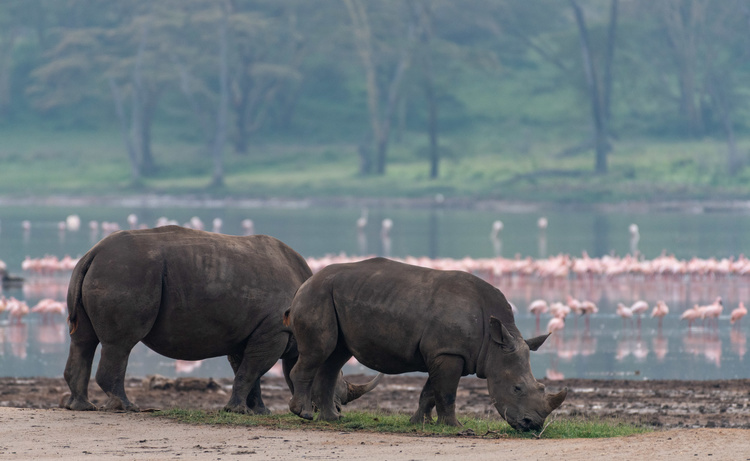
x=61 y=434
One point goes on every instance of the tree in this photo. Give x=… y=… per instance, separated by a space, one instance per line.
x=598 y=91
x=267 y=53
x=424 y=20
x=381 y=119
x=699 y=48
x=201 y=61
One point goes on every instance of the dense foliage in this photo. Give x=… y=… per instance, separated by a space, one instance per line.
x=442 y=79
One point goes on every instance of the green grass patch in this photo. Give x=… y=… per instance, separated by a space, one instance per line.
x=355 y=421
x=512 y=164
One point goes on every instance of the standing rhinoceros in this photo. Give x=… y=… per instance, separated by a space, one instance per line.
x=188 y=295
x=397 y=318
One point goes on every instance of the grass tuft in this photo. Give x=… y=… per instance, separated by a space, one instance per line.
x=365 y=421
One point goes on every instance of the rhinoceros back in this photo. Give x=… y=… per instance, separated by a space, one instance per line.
x=199 y=294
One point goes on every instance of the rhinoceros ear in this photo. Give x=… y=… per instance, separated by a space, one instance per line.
x=500 y=334
x=536 y=343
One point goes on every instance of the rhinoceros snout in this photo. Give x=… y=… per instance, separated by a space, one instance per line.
x=527 y=424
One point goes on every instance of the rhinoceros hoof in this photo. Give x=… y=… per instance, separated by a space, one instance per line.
x=241 y=409
x=421 y=419
x=328 y=416
x=76 y=404
x=297 y=407
x=449 y=421
x=116 y=404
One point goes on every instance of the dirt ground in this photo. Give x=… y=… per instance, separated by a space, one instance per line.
x=692 y=418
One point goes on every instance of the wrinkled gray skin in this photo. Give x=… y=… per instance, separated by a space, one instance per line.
x=397 y=318
x=188 y=295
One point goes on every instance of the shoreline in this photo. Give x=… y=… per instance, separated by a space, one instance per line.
x=691 y=206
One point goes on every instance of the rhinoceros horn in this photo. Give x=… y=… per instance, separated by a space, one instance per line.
x=555 y=400
x=536 y=343
x=355 y=391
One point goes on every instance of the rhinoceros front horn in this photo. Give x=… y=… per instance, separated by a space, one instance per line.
x=355 y=391
x=555 y=400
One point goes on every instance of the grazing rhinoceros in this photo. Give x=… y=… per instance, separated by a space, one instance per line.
x=397 y=318
x=187 y=295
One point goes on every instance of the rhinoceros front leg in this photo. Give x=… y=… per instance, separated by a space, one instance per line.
x=77 y=373
x=445 y=373
x=426 y=404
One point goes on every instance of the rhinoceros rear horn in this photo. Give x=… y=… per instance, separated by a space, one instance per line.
x=355 y=391
x=555 y=400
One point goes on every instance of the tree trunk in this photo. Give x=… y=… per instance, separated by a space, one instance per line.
x=138 y=97
x=423 y=15
x=608 y=59
x=681 y=25
x=6 y=52
x=600 y=137
x=221 y=116
x=135 y=173
x=393 y=97
x=721 y=97
x=240 y=117
x=363 y=42
x=148 y=108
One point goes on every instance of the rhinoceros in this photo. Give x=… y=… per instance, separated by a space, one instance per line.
x=188 y=295
x=397 y=318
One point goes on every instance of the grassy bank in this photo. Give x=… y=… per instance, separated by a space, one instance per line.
x=484 y=166
x=399 y=424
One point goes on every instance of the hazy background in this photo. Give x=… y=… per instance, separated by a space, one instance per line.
x=578 y=100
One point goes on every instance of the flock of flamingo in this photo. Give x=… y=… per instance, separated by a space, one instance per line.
x=552 y=275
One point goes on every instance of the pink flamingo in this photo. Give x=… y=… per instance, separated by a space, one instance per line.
x=573 y=304
x=625 y=312
x=537 y=308
x=560 y=310
x=691 y=315
x=638 y=308
x=713 y=310
x=16 y=310
x=555 y=324
x=588 y=308
x=737 y=314
x=660 y=310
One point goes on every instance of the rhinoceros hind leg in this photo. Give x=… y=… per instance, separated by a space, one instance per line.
x=255 y=400
x=259 y=355
x=110 y=375
x=316 y=345
x=445 y=373
x=324 y=385
x=77 y=372
x=426 y=404
x=76 y=404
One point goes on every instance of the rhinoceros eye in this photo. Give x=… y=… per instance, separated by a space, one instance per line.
x=517 y=389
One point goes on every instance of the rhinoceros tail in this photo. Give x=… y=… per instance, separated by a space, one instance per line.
x=75 y=289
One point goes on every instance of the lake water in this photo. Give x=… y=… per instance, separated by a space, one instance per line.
x=605 y=348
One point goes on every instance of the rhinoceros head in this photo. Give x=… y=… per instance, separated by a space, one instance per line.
x=517 y=395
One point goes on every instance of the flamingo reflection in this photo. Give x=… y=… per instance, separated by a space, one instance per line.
x=738 y=340
x=51 y=337
x=187 y=366
x=18 y=337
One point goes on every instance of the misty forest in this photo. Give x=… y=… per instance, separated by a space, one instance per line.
x=484 y=98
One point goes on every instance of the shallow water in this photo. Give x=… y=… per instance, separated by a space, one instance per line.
x=607 y=348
